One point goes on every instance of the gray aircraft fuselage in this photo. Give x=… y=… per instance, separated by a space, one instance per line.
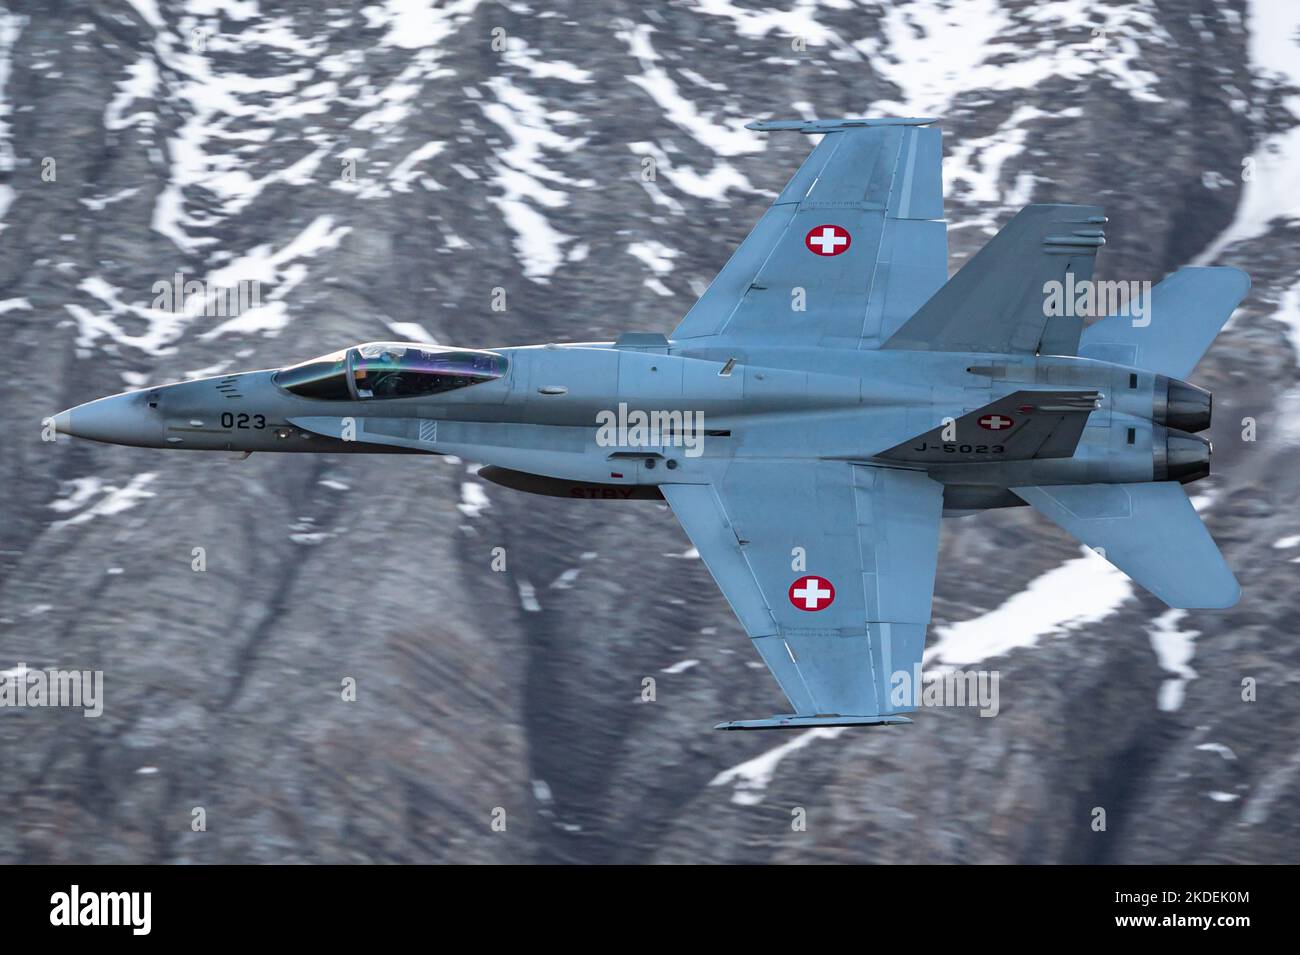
x=536 y=426
x=829 y=397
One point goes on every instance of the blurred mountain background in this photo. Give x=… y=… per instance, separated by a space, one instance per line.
x=380 y=168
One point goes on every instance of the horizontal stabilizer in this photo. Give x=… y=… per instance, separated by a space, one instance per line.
x=997 y=302
x=803 y=722
x=1149 y=531
x=1020 y=426
x=1185 y=313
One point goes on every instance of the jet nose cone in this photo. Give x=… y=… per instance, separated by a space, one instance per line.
x=119 y=419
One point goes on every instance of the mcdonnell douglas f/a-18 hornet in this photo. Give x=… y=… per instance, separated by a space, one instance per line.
x=824 y=403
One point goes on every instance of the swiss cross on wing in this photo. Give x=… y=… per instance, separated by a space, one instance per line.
x=828 y=240
x=812 y=593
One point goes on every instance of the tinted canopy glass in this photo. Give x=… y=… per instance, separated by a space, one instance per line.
x=325 y=377
x=390 y=370
x=398 y=370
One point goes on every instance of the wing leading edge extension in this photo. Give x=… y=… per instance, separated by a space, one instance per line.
x=857 y=543
x=876 y=183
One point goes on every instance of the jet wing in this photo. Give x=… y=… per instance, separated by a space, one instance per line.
x=852 y=247
x=830 y=568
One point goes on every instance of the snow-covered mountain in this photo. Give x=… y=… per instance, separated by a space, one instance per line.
x=405 y=168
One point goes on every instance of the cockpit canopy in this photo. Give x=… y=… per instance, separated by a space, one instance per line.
x=389 y=370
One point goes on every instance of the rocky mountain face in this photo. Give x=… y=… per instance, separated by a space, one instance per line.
x=403 y=169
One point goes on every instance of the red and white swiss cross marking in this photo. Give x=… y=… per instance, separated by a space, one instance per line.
x=996 y=422
x=828 y=240
x=812 y=593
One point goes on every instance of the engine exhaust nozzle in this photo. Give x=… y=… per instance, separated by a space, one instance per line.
x=1181 y=406
x=1181 y=457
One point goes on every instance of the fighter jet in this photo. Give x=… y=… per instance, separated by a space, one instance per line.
x=828 y=399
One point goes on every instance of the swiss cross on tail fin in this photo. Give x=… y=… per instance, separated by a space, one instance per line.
x=1022 y=425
